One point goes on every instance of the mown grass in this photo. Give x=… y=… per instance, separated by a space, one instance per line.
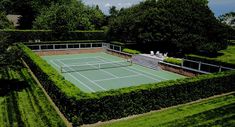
x=227 y=57
x=219 y=111
x=27 y=106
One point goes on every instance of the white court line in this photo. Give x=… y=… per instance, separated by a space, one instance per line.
x=145 y=72
x=141 y=74
x=150 y=74
x=109 y=73
x=87 y=78
x=138 y=73
x=75 y=78
x=106 y=71
x=129 y=76
x=77 y=58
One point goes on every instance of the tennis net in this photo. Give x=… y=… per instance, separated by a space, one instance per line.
x=86 y=67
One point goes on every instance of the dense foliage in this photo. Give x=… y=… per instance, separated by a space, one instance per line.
x=4 y=22
x=170 y=25
x=9 y=54
x=131 y=51
x=80 y=107
x=228 y=18
x=173 y=60
x=69 y=17
x=216 y=111
x=48 y=35
x=42 y=11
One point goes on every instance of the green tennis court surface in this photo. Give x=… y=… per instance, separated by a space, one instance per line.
x=106 y=78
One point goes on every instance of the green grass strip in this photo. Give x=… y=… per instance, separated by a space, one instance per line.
x=215 y=111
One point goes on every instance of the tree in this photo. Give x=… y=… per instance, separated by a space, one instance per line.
x=62 y=18
x=168 y=25
x=9 y=54
x=96 y=16
x=113 y=11
x=29 y=9
x=4 y=22
x=228 y=18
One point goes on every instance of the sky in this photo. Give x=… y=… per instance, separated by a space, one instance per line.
x=219 y=7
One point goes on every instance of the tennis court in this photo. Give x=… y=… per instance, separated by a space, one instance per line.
x=101 y=71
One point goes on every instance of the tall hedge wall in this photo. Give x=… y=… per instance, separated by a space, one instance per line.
x=83 y=108
x=48 y=35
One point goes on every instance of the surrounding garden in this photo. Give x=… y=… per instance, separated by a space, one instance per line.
x=176 y=27
x=225 y=57
x=83 y=108
x=217 y=111
x=22 y=102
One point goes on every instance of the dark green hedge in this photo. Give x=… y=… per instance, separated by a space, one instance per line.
x=48 y=35
x=172 y=60
x=83 y=108
x=131 y=51
x=216 y=62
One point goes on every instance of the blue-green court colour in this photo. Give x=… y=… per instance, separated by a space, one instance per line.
x=93 y=80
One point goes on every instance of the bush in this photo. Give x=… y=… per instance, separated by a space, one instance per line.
x=172 y=60
x=48 y=35
x=84 y=108
x=131 y=51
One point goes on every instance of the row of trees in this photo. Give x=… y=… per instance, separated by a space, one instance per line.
x=170 y=25
x=54 y=14
x=166 y=25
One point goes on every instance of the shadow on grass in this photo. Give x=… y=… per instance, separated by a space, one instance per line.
x=8 y=86
x=223 y=116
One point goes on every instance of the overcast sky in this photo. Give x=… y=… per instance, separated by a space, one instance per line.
x=218 y=6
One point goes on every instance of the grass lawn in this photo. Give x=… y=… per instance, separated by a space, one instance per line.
x=219 y=111
x=227 y=57
x=27 y=106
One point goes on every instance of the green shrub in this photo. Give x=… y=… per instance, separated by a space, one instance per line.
x=84 y=108
x=172 y=60
x=48 y=35
x=131 y=51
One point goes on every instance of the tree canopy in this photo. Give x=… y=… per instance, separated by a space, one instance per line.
x=170 y=25
x=63 y=18
x=228 y=18
x=31 y=9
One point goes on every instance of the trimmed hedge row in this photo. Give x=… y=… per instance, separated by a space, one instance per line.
x=173 y=61
x=216 y=62
x=131 y=51
x=48 y=35
x=83 y=108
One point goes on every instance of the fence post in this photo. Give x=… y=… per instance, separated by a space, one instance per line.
x=182 y=64
x=199 y=66
x=220 y=68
